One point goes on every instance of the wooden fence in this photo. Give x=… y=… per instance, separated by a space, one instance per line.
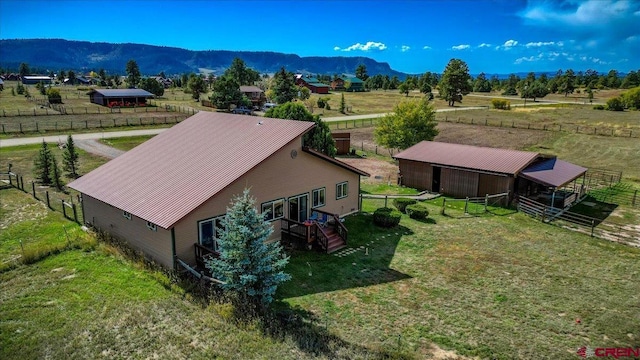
x=60 y=125
x=578 y=129
x=54 y=200
x=474 y=205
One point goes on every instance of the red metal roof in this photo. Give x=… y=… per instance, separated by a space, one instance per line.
x=503 y=161
x=168 y=176
x=335 y=161
x=553 y=172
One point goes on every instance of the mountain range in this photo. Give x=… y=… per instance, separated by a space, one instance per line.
x=59 y=54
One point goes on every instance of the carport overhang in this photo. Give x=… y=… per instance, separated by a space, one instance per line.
x=553 y=173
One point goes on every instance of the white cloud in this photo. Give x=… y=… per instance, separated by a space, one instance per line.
x=427 y=47
x=484 y=45
x=525 y=59
x=510 y=43
x=461 y=47
x=539 y=44
x=369 y=46
x=405 y=48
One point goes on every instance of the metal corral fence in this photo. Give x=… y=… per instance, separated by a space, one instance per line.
x=54 y=124
x=578 y=129
x=626 y=234
x=54 y=200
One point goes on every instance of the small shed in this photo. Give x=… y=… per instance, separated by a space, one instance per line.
x=343 y=142
x=119 y=97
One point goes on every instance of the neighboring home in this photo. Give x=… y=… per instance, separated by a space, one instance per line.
x=35 y=79
x=119 y=97
x=347 y=84
x=255 y=94
x=167 y=197
x=78 y=80
x=471 y=171
x=12 y=77
x=313 y=84
x=166 y=83
x=1 y=84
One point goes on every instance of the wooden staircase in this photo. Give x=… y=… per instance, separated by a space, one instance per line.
x=334 y=241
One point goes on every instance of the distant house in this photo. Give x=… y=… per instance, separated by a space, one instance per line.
x=255 y=94
x=347 y=84
x=313 y=84
x=78 y=80
x=472 y=171
x=12 y=77
x=1 y=84
x=166 y=83
x=36 y=79
x=119 y=97
x=167 y=197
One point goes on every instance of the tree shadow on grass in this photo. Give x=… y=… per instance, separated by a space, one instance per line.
x=364 y=262
x=313 y=335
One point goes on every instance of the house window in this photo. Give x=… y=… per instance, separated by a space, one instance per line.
x=342 y=190
x=273 y=210
x=298 y=207
x=126 y=215
x=317 y=197
x=151 y=226
x=209 y=231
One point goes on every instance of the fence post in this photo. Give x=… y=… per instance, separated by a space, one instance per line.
x=21 y=182
x=37 y=129
x=376 y=149
x=33 y=190
x=361 y=144
x=544 y=212
x=444 y=203
x=466 y=205
x=385 y=200
x=20 y=126
x=593 y=225
x=633 y=201
x=3 y=127
x=46 y=193
x=100 y=122
x=64 y=211
x=486 y=202
x=86 y=124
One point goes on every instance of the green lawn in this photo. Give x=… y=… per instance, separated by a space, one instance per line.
x=492 y=287
x=126 y=143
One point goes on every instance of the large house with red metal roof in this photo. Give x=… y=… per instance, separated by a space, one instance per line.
x=167 y=196
x=472 y=171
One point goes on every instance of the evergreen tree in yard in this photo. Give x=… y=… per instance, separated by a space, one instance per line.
x=342 y=104
x=42 y=165
x=251 y=268
x=70 y=158
x=284 y=86
x=455 y=81
x=55 y=173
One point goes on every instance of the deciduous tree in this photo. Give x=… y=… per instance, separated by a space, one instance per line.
x=319 y=138
x=241 y=73
x=251 y=268
x=226 y=91
x=152 y=85
x=410 y=123
x=197 y=86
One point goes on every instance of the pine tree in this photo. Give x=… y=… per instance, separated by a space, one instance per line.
x=42 y=165
x=342 y=104
x=70 y=159
x=251 y=268
x=55 y=173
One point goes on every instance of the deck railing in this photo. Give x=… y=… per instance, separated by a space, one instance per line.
x=336 y=224
x=203 y=254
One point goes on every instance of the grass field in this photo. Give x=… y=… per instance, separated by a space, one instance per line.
x=126 y=143
x=489 y=287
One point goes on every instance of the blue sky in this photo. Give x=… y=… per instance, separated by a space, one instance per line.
x=414 y=36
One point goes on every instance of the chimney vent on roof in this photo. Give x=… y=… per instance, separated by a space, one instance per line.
x=260 y=122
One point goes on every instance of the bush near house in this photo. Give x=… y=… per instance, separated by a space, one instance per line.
x=387 y=217
x=402 y=203
x=417 y=211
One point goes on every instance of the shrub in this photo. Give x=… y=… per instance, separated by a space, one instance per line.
x=615 y=104
x=598 y=107
x=501 y=104
x=386 y=217
x=54 y=96
x=417 y=211
x=401 y=203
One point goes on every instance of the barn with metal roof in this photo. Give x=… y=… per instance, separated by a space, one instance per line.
x=470 y=171
x=119 y=97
